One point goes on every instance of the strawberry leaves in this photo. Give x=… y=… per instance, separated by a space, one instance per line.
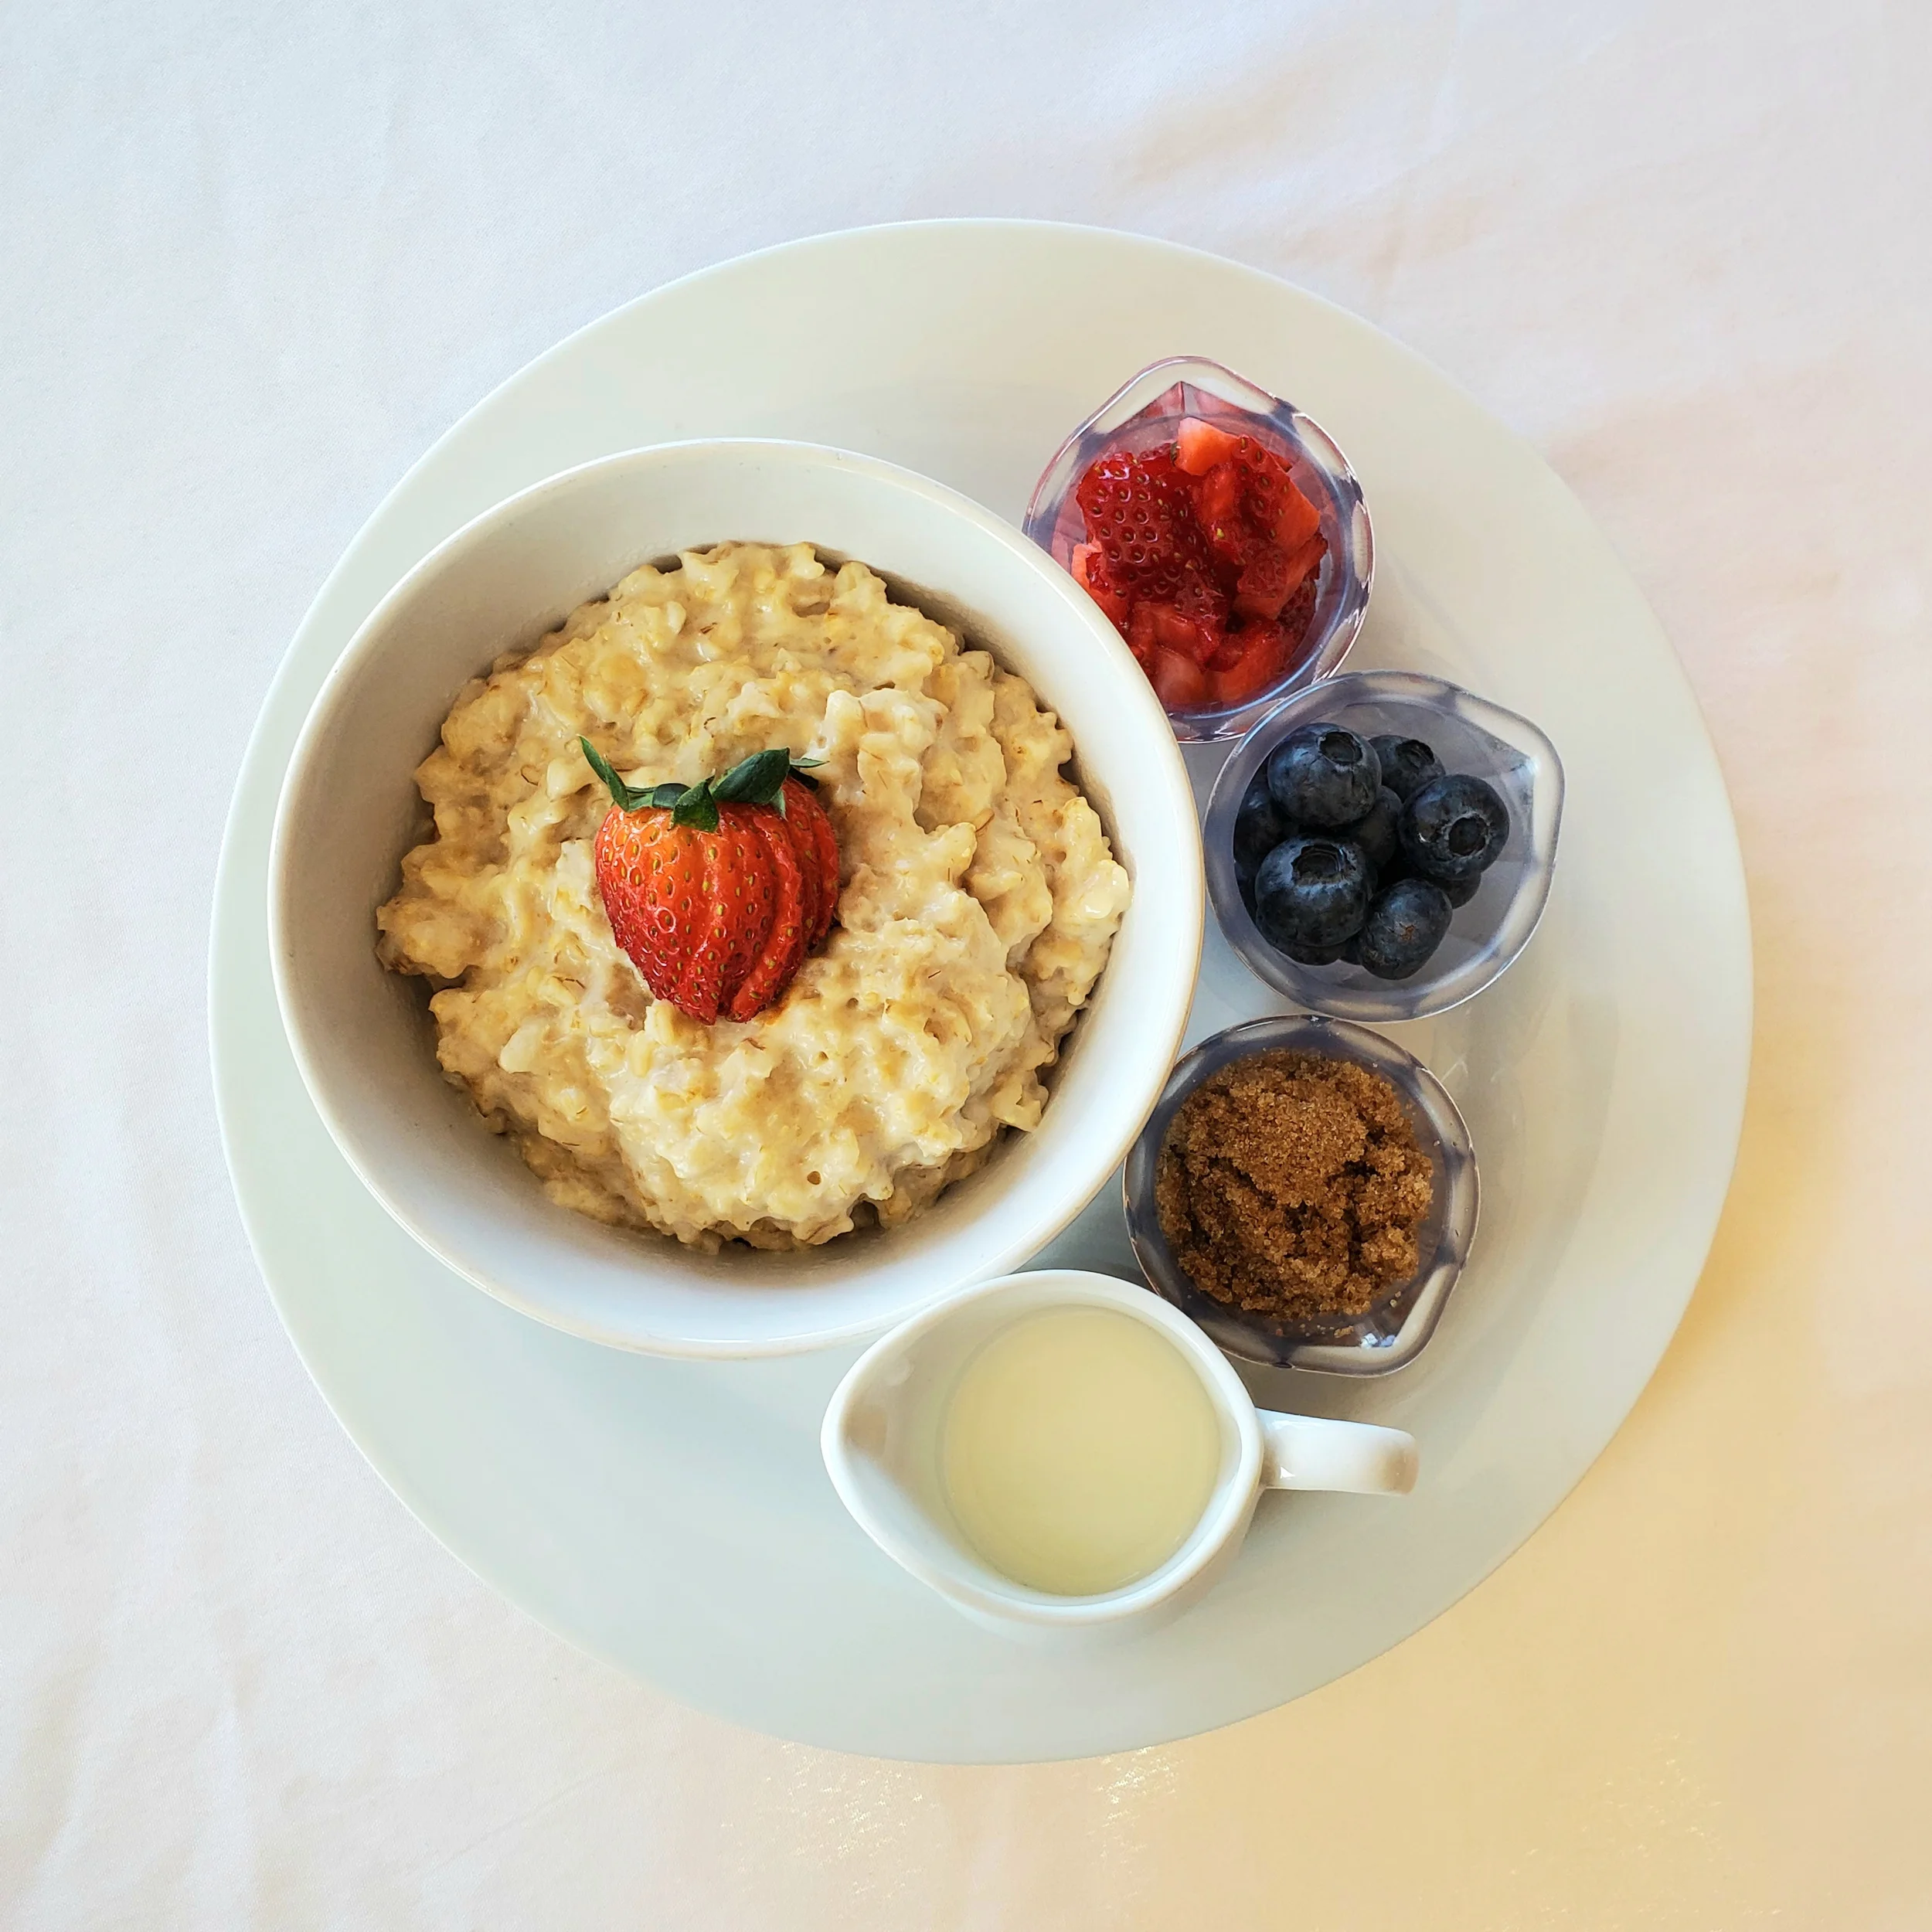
x=756 y=780
x=625 y=798
x=696 y=807
x=759 y=779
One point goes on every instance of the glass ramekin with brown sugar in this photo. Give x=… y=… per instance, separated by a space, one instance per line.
x=1394 y=1329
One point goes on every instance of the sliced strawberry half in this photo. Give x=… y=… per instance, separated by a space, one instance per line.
x=817 y=845
x=741 y=898
x=704 y=885
x=783 y=944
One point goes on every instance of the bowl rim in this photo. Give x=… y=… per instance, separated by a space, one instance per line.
x=1322 y=1034
x=1391 y=1002
x=1185 y=912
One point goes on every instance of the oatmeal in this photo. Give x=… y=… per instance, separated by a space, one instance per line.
x=978 y=900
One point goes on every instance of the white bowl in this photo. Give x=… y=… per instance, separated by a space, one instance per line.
x=362 y=1036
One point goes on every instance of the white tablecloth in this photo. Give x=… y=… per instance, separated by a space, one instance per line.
x=253 y=259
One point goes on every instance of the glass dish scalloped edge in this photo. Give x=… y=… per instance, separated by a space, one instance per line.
x=1143 y=412
x=1393 y=1333
x=1475 y=736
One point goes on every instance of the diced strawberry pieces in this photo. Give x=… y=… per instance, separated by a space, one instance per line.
x=1298 y=613
x=1137 y=517
x=1296 y=519
x=1179 y=681
x=1231 y=650
x=1169 y=629
x=1095 y=575
x=1173 y=632
x=1205 y=555
x=1252 y=660
x=1305 y=561
x=1263 y=587
x=1201 y=597
x=1217 y=494
x=1200 y=446
x=1272 y=575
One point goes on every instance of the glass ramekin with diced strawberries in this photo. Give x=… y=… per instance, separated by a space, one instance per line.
x=1221 y=530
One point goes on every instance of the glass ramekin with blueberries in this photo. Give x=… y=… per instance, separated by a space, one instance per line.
x=1381 y=846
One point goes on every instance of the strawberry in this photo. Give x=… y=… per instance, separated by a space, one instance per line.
x=817 y=848
x=1298 y=612
x=1193 y=625
x=1205 y=554
x=1263 y=586
x=1198 y=446
x=1138 y=517
x=715 y=891
x=1296 y=521
x=1095 y=575
x=1272 y=576
x=1249 y=499
x=1179 y=681
x=1250 y=660
x=1217 y=503
x=785 y=930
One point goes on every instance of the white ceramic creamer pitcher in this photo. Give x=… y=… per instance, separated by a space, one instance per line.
x=882 y=1440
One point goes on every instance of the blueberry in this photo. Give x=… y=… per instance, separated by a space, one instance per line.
x=1258 y=829
x=1407 y=763
x=1311 y=892
x=1322 y=776
x=1454 y=827
x=1405 y=925
x=1374 y=831
x=1460 y=891
x=1317 y=955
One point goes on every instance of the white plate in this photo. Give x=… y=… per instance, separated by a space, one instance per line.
x=674 y=1517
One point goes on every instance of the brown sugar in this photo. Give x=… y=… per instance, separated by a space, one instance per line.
x=1291 y=1186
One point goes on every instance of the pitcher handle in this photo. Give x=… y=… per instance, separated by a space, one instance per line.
x=1313 y=1452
